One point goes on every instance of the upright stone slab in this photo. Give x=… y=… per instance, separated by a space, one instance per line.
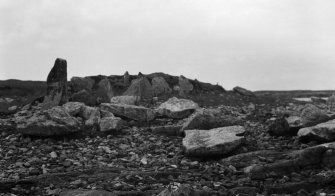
x=105 y=91
x=126 y=79
x=185 y=87
x=56 y=85
x=140 y=87
x=160 y=86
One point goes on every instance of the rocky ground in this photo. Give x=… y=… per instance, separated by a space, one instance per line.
x=138 y=161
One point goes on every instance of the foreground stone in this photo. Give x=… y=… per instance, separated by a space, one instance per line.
x=177 y=108
x=324 y=132
x=214 y=142
x=56 y=85
x=138 y=113
x=111 y=123
x=311 y=115
x=51 y=122
x=243 y=91
x=125 y=99
x=205 y=119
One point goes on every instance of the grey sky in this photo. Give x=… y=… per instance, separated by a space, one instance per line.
x=257 y=44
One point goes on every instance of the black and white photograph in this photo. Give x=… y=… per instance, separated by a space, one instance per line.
x=167 y=98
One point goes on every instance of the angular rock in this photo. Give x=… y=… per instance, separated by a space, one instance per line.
x=243 y=91
x=294 y=122
x=104 y=93
x=126 y=79
x=125 y=99
x=56 y=85
x=73 y=108
x=137 y=113
x=51 y=122
x=91 y=115
x=208 y=119
x=323 y=132
x=140 y=87
x=160 y=86
x=111 y=123
x=312 y=115
x=214 y=142
x=79 y=83
x=177 y=108
x=84 y=97
x=279 y=127
x=185 y=86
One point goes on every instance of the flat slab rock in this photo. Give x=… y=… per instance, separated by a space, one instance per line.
x=177 y=108
x=214 y=142
x=324 y=132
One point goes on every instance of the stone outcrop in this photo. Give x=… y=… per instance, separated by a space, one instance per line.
x=206 y=119
x=137 y=113
x=82 y=83
x=140 y=87
x=56 y=85
x=160 y=86
x=323 y=132
x=214 y=142
x=243 y=91
x=177 y=108
x=312 y=115
x=185 y=86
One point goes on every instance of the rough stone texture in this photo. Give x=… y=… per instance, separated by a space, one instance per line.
x=111 y=123
x=73 y=108
x=323 y=132
x=104 y=93
x=214 y=142
x=140 y=87
x=208 y=119
x=56 y=85
x=243 y=91
x=182 y=190
x=294 y=122
x=185 y=87
x=160 y=86
x=279 y=127
x=311 y=115
x=51 y=122
x=138 y=113
x=91 y=115
x=177 y=108
x=170 y=130
x=86 y=193
x=126 y=79
x=328 y=159
x=125 y=99
x=79 y=83
x=83 y=96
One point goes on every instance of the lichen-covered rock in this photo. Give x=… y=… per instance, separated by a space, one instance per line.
x=177 y=108
x=56 y=85
x=91 y=115
x=323 y=132
x=214 y=142
x=73 y=108
x=111 y=123
x=86 y=193
x=137 y=113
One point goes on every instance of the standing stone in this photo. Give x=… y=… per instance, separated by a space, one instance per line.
x=126 y=79
x=140 y=87
x=160 y=86
x=185 y=87
x=104 y=91
x=56 y=85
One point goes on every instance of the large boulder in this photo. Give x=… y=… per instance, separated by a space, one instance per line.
x=84 y=96
x=185 y=86
x=137 y=113
x=104 y=93
x=312 y=115
x=81 y=83
x=214 y=142
x=125 y=99
x=51 y=122
x=177 y=108
x=140 y=87
x=56 y=85
x=74 y=108
x=91 y=115
x=111 y=123
x=160 y=86
x=243 y=91
x=323 y=132
x=206 y=119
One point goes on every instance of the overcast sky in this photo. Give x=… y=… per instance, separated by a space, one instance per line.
x=256 y=44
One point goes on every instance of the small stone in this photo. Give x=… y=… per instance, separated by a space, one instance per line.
x=53 y=154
